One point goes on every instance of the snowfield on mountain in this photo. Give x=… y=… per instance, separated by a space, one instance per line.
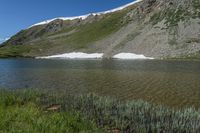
x=154 y=28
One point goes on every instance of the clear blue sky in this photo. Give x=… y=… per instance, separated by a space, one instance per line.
x=16 y=15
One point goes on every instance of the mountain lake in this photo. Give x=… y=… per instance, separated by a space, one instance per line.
x=172 y=83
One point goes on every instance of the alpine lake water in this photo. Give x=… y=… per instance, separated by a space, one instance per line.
x=170 y=83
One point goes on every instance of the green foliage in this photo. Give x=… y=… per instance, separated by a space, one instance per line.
x=134 y=116
x=107 y=113
x=157 y=17
x=83 y=37
x=171 y=16
x=95 y=31
x=10 y=98
x=20 y=113
x=174 y=16
x=13 y=51
x=196 y=4
x=30 y=119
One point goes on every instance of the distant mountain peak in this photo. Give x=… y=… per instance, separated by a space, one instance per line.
x=153 y=28
x=87 y=15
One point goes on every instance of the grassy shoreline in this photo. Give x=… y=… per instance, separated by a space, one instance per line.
x=98 y=112
x=22 y=112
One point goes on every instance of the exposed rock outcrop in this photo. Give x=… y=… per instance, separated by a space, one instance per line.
x=155 y=28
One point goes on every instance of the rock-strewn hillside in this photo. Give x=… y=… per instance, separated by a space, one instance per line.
x=155 y=28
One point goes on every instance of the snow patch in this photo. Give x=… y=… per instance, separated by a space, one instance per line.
x=121 y=7
x=4 y=39
x=85 y=16
x=130 y=56
x=74 y=55
x=80 y=55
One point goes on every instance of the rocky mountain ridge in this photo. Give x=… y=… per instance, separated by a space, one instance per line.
x=154 y=28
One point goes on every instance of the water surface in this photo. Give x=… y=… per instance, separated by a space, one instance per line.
x=173 y=83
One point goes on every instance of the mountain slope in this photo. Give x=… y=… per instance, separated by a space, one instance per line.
x=155 y=28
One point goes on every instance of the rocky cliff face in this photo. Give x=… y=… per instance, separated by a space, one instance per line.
x=156 y=28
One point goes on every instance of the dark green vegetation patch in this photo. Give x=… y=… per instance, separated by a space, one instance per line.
x=21 y=112
x=27 y=109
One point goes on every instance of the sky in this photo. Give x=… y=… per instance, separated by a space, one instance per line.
x=16 y=15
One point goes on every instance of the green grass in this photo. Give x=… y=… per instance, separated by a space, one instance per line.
x=95 y=31
x=31 y=119
x=83 y=37
x=20 y=113
x=26 y=109
x=24 y=50
x=13 y=51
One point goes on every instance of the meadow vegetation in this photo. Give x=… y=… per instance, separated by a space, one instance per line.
x=22 y=113
x=26 y=110
x=12 y=51
x=82 y=37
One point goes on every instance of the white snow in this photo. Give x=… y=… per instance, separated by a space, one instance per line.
x=121 y=7
x=80 y=55
x=4 y=39
x=85 y=16
x=74 y=55
x=130 y=56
